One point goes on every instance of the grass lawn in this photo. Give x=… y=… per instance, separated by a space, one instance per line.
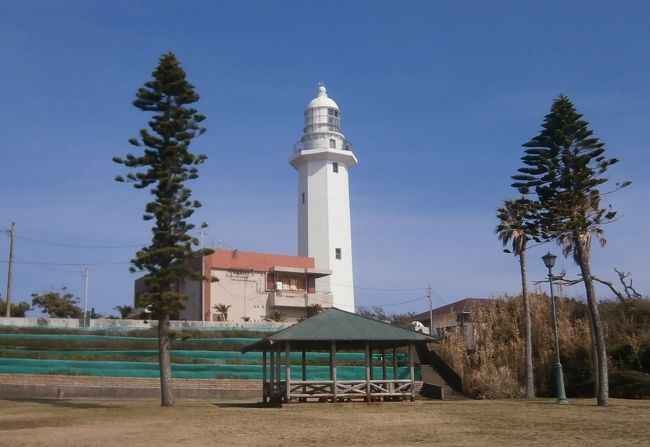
x=124 y=423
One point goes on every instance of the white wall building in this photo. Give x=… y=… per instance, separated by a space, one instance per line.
x=252 y=285
x=323 y=158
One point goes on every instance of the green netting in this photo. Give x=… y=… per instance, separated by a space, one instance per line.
x=214 y=356
x=259 y=327
x=201 y=371
x=221 y=363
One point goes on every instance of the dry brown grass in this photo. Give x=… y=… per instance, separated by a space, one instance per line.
x=125 y=423
x=495 y=369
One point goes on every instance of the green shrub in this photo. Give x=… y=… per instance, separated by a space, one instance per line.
x=644 y=359
x=628 y=384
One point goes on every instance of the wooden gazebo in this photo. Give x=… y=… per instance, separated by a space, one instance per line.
x=334 y=331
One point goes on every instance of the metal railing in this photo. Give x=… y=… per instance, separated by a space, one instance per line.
x=300 y=146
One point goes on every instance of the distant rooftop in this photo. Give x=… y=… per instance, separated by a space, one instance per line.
x=461 y=306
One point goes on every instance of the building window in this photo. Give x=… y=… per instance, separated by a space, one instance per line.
x=332 y=143
x=291 y=283
x=335 y=167
x=303 y=197
x=338 y=253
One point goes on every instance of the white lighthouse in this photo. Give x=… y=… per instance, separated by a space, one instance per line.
x=323 y=158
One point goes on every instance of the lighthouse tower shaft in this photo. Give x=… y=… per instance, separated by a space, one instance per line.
x=323 y=158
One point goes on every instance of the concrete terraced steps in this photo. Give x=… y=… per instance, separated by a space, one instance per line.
x=52 y=386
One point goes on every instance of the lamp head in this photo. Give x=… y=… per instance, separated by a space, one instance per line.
x=549 y=260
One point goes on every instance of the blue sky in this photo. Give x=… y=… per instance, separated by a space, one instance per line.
x=436 y=97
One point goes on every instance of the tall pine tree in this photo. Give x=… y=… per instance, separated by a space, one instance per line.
x=166 y=164
x=565 y=166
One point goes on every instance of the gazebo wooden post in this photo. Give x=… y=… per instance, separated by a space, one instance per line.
x=304 y=371
x=384 y=376
x=264 y=384
x=333 y=369
x=394 y=363
x=272 y=373
x=411 y=371
x=287 y=372
x=372 y=367
x=368 y=368
x=278 y=371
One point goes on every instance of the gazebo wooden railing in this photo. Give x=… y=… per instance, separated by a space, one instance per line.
x=346 y=390
x=275 y=388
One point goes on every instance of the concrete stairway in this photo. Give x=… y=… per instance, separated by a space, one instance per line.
x=441 y=389
x=434 y=370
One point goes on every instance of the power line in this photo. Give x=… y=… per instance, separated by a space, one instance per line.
x=401 y=302
x=69 y=264
x=378 y=289
x=62 y=244
x=49 y=269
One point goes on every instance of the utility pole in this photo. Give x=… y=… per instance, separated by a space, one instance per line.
x=202 y=283
x=10 y=268
x=86 y=320
x=430 y=310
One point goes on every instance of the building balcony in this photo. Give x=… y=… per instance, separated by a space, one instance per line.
x=297 y=298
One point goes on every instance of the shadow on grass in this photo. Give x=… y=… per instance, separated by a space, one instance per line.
x=61 y=402
x=246 y=405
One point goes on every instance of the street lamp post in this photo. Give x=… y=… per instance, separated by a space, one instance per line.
x=549 y=262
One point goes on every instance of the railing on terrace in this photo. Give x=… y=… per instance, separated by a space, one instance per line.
x=299 y=298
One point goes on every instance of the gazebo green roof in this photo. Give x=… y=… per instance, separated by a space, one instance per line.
x=348 y=330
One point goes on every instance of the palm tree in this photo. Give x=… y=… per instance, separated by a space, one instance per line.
x=314 y=309
x=222 y=309
x=569 y=248
x=124 y=310
x=277 y=316
x=514 y=226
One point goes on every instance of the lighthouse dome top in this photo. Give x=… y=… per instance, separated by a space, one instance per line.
x=322 y=100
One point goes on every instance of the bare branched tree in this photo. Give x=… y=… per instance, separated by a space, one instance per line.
x=629 y=293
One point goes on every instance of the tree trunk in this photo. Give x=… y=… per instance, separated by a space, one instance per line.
x=530 y=379
x=594 y=354
x=583 y=257
x=166 y=389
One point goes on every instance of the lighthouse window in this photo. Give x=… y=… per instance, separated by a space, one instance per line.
x=333 y=112
x=333 y=143
x=303 y=197
x=337 y=252
x=335 y=167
